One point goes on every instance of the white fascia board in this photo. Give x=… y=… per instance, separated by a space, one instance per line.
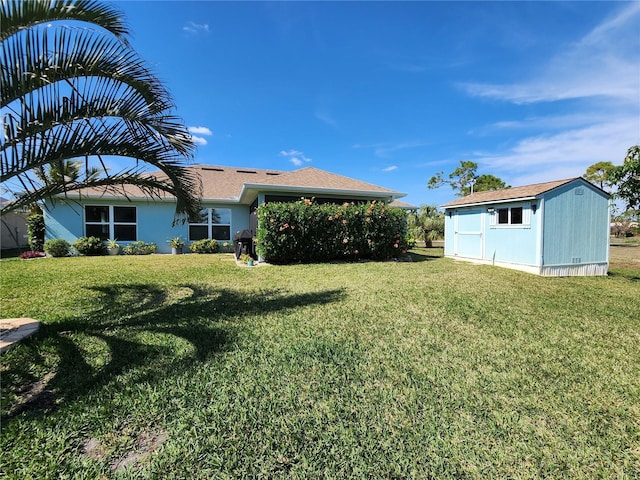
x=262 y=188
x=151 y=198
x=493 y=202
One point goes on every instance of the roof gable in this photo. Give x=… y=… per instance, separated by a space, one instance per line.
x=311 y=177
x=515 y=193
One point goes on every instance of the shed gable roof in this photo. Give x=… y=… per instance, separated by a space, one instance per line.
x=515 y=193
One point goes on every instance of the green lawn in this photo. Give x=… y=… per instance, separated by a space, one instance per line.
x=191 y=367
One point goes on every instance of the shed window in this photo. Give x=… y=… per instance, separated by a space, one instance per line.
x=503 y=216
x=516 y=216
x=511 y=216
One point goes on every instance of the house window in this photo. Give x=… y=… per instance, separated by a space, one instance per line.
x=107 y=221
x=214 y=223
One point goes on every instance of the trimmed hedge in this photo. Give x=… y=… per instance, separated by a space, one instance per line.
x=139 y=248
x=307 y=232
x=89 y=246
x=205 y=246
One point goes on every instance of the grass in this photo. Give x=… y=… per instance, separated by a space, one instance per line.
x=190 y=367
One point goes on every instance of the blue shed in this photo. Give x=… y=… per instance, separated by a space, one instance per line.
x=555 y=229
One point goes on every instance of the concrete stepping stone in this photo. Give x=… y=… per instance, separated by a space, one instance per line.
x=12 y=330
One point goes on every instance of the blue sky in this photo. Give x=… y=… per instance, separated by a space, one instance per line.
x=392 y=92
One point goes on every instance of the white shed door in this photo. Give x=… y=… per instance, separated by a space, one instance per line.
x=467 y=233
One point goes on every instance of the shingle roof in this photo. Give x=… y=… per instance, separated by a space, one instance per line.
x=526 y=191
x=227 y=183
x=315 y=178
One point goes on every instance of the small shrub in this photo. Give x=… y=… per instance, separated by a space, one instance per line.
x=35 y=232
x=140 y=248
x=31 y=254
x=57 y=247
x=89 y=246
x=205 y=246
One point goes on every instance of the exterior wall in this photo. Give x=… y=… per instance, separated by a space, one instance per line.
x=472 y=233
x=576 y=229
x=516 y=244
x=13 y=231
x=65 y=219
x=448 y=233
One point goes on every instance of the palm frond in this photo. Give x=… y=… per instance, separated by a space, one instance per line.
x=78 y=93
x=16 y=15
x=35 y=59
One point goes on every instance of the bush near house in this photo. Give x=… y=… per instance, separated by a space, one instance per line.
x=307 y=232
x=35 y=232
x=140 y=248
x=205 y=246
x=57 y=247
x=89 y=246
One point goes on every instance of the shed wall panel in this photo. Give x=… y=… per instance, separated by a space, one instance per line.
x=576 y=226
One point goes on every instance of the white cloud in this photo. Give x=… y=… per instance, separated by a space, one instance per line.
x=199 y=140
x=565 y=153
x=599 y=74
x=194 y=28
x=390 y=168
x=325 y=117
x=384 y=150
x=604 y=63
x=200 y=130
x=296 y=157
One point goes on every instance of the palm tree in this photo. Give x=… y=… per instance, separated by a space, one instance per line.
x=72 y=97
x=427 y=223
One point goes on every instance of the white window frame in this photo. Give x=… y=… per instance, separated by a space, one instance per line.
x=210 y=225
x=111 y=222
x=526 y=215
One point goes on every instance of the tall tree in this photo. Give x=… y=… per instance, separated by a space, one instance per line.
x=460 y=179
x=81 y=95
x=627 y=178
x=598 y=174
x=463 y=180
x=487 y=182
x=427 y=223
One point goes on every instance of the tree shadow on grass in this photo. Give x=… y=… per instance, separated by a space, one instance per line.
x=630 y=274
x=143 y=332
x=426 y=254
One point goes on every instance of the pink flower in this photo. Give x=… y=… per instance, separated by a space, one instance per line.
x=356 y=252
x=395 y=245
x=346 y=240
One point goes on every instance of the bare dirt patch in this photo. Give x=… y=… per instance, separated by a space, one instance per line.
x=145 y=444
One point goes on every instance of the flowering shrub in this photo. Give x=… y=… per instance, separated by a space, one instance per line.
x=31 y=254
x=205 y=246
x=139 y=248
x=307 y=232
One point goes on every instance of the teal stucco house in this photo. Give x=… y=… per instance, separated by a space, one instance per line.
x=558 y=228
x=230 y=198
